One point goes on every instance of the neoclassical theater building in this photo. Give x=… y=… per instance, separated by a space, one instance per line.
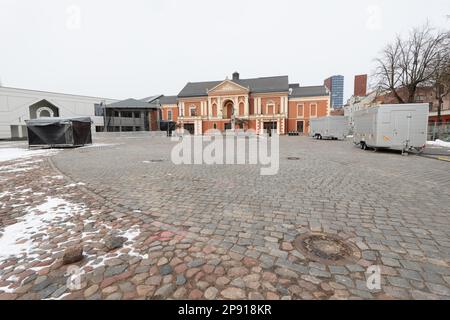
x=261 y=104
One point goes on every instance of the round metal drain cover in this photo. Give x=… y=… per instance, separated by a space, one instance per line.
x=328 y=249
x=293 y=158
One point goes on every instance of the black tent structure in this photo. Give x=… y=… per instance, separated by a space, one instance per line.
x=168 y=126
x=59 y=132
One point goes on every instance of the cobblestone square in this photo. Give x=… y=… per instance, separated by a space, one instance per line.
x=223 y=231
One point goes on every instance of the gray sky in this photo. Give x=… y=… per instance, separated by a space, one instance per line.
x=136 y=48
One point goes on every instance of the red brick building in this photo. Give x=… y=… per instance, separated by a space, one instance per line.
x=360 y=89
x=259 y=104
x=423 y=95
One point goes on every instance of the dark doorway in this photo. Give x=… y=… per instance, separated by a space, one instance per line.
x=189 y=127
x=300 y=126
x=269 y=126
x=227 y=126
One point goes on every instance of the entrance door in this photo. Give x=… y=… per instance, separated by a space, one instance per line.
x=227 y=126
x=402 y=127
x=300 y=126
x=269 y=126
x=190 y=127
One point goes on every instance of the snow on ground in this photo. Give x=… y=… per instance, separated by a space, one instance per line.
x=101 y=145
x=9 y=154
x=17 y=239
x=96 y=261
x=439 y=143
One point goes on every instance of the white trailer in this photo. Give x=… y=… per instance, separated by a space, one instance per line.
x=330 y=127
x=392 y=126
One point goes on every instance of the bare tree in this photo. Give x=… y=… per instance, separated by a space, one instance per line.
x=407 y=64
x=442 y=89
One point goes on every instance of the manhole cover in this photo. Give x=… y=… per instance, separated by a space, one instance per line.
x=293 y=158
x=328 y=249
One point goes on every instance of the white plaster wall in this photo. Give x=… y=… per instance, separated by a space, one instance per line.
x=15 y=103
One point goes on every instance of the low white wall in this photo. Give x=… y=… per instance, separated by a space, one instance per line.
x=15 y=103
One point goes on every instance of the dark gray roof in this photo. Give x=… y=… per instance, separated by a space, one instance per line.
x=313 y=91
x=151 y=98
x=256 y=85
x=168 y=100
x=130 y=103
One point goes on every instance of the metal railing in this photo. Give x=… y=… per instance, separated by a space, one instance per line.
x=438 y=131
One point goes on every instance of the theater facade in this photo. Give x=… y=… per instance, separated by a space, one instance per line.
x=260 y=104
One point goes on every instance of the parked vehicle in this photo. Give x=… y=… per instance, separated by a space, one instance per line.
x=392 y=126
x=330 y=127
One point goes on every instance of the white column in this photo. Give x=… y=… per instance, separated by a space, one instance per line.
x=286 y=105
x=209 y=108
x=182 y=109
x=219 y=107
x=246 y=107
x=236 y=105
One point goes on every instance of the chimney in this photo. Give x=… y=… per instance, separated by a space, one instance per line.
x=360 y=85
x=236 y=76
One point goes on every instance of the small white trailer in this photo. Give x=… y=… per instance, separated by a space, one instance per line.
x=392 y=126
x=330 y=127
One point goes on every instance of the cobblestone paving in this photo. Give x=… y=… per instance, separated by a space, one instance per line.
x=225 y=232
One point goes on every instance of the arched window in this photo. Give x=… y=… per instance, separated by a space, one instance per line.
x=241 y=109
x=214 y=110
x=44 y=112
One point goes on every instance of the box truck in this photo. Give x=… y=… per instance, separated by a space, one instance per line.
x=330 y=127
x=392 y=126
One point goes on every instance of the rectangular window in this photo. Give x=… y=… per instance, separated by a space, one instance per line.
x=127 y=114
x=193 y=111
x=300 y=110
x=270 y=109
x=137 y=114
x=419 y=99
x=99 y=110
x=169 y=115
x=313 y=110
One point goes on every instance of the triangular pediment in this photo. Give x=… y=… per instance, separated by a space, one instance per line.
x=228 y=86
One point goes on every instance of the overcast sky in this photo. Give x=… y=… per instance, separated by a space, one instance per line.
x=137 y=48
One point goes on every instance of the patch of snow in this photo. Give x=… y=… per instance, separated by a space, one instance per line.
x=60 y=297
x=5 y=193
x=17 y=169
x=16 y=240
x=73 y=185
x=439 y=143
x=9 y=154
x=100 y=145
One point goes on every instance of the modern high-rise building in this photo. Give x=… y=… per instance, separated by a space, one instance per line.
x=336 y=86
